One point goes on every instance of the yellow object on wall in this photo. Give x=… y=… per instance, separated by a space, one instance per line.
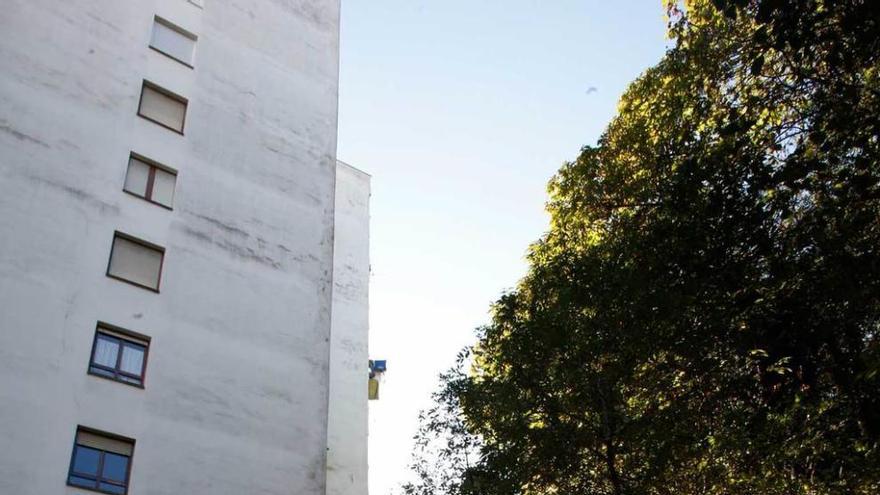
x=374 y=389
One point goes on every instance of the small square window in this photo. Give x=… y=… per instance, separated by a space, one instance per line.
x=100 y=462
x=173 y=41
x=162 y=107
x=150 y=180
x=119 y=355
x=135 y=261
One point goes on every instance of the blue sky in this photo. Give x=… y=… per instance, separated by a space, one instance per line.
x=462 y=111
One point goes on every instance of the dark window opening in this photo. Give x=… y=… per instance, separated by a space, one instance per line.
x=119 y=357
x=100 y=463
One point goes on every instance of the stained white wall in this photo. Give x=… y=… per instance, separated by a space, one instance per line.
x=347 y=426
x=237 y=381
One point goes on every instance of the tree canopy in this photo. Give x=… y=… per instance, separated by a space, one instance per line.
x=703 y=315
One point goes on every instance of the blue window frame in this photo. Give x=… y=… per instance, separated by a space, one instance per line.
x=118 y=357
x=100 y=463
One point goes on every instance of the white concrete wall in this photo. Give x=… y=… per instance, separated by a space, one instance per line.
x=237 y=381
x=347 y=425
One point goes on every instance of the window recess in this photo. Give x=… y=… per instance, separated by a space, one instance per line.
x=136 y=261
x=100 y=462
x=119 y=355
x=150 y=180
x=173 y=41
x=160 y=106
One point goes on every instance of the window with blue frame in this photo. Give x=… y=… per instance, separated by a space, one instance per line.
x=119 y=356
x=100 y=462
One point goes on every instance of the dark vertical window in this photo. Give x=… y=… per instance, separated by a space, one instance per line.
x=100 y=462
x=119 y=356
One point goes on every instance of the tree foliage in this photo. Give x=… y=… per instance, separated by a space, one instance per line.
x=703 y=315
x=446 y=453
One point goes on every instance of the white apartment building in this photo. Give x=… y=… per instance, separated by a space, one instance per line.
x=183 y=262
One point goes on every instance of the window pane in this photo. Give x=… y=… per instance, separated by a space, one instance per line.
x=101 y=371
x=80 y=481
x=163 y=187
x=132 y=359
x=107 y=487
x=106 y=350
x=162 y=108
x=135 y=262
x=115 y=467
x=136 y=177
x=172 y=42
x=85 y=460
x=128 y=379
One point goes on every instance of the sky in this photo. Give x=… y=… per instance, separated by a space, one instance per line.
x=462 y=111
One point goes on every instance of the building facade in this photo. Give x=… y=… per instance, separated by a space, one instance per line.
x=183 y=262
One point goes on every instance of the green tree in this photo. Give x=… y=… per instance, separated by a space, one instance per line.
x=703 y=316
x=446 y=454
